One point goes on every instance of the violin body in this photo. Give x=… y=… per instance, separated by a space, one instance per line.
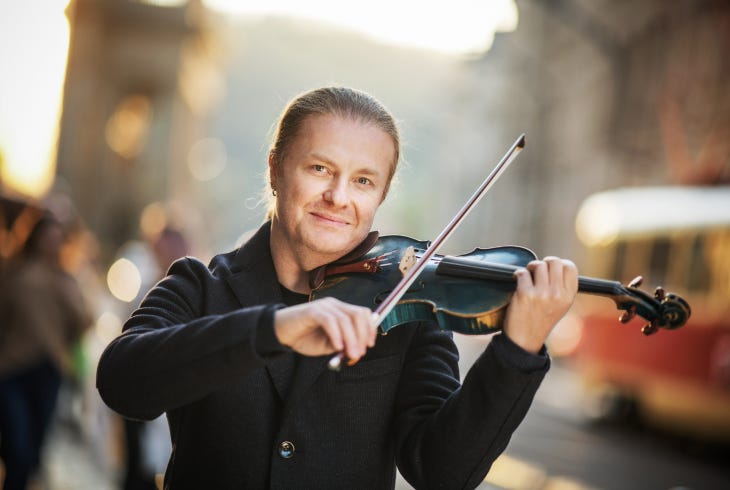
x=461 y=304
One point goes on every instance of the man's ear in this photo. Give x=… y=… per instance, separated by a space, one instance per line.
x=272 y=171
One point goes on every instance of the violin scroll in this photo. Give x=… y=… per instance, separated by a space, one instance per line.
x=674 y=312
x=664 y=310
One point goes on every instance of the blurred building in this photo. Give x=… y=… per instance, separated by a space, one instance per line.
x=610 y=94
x=141 y=79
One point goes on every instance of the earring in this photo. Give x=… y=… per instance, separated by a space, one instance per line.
x=273 y=192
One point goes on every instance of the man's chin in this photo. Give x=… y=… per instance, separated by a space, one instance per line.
x=333 y=245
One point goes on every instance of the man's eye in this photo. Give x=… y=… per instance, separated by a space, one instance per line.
x=319 y=168
x=364 y=181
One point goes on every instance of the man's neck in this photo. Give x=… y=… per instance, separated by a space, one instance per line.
x=290 y=274
x=291 y=269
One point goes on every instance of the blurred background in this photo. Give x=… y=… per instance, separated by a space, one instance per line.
x=143 y=128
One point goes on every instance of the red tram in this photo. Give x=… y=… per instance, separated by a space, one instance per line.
x=678 y=238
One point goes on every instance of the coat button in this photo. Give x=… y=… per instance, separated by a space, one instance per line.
x=286 y=449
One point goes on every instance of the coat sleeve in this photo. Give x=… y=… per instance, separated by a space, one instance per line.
x=171 y=352
x=448 y=436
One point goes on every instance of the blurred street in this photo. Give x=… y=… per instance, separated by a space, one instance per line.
x=72 y=464
x=562 y=446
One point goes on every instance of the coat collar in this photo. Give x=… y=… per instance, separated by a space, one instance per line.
x=253 y=277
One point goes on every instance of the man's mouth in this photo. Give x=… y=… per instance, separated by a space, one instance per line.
x=331 y=219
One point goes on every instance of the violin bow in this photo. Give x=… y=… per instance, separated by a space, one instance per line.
x=384 y=308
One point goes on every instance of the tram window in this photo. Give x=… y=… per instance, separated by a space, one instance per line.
x=698 y=277
x=659 y=260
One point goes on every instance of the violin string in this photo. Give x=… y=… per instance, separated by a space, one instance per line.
x=379 y=259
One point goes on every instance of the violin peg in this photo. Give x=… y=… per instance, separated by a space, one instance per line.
x=660 y=293
x=649 y=329
x=636 y=282
x=627 y=315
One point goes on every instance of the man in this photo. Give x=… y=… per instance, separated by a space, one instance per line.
x=237 y=356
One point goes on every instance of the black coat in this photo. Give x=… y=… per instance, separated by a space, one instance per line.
x=201 y=348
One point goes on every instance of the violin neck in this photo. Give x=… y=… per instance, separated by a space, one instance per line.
x=504 y=273
x=602 y=287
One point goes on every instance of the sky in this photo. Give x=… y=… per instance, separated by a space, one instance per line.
x=454 y=27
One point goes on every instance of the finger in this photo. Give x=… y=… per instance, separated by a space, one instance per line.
x=555 y=271
x=344 y=324
x=374 y=327
x=563 y=273
x=350 y=321
x=365 y=327
x=361 y=319
x=523 y=278
x=570 y=275
x=539 y=271
x=329 y=323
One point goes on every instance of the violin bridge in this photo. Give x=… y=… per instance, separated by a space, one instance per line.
x=408 y=260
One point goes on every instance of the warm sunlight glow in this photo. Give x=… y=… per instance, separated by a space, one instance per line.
x=455 y=27
x=33 y=49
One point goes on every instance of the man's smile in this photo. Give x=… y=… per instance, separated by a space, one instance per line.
x=330 y=219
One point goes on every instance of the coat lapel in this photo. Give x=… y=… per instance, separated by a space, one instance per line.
x=253 y=278
x=254 y=282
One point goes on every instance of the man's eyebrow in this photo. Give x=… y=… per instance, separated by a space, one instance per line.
x=319 y=156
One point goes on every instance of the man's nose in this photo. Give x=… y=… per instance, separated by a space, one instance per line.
x=336 y=193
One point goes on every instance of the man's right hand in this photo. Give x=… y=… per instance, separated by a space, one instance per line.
x=326 y=326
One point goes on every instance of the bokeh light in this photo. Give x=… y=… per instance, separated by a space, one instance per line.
x=124 y=280
x=108 y=326
x=207 y=159
x=153 y=219
x=127 y=128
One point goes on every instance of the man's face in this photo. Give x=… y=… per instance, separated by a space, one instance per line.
x=329 y=186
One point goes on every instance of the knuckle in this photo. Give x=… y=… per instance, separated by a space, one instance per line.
x=520 y=271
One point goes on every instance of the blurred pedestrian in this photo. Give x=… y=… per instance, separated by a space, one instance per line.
x=42 y=316
x=148 y=443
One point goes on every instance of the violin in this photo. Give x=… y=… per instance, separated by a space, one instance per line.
x=469 y=293
x=404 y=280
